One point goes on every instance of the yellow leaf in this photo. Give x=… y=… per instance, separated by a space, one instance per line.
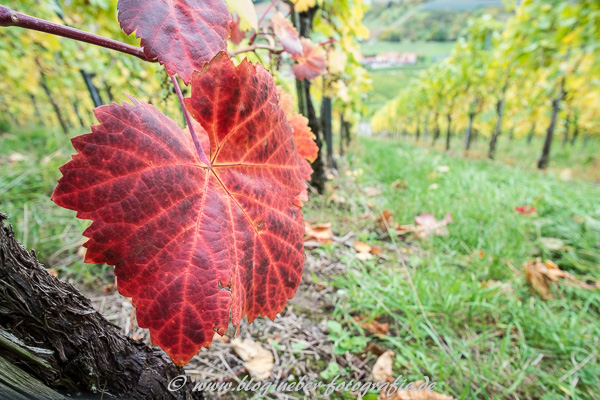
x=245 y=11
x=303 y=5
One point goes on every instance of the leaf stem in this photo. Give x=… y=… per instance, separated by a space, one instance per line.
x=254 y=47
x=253 y=38
x=9 y=17
x=190 y=125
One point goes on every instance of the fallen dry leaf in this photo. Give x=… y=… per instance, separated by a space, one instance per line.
x=426 y=225
x=382 y=369
x=399 y=184
x=429 y=225
x=552 y=244
x=364 y=256
x=220 y=338
x=566 y=174
x=374 y=326
x=109 y=289
x=415 y=395
x=542 y=274
x=405 y=229
x=258 y=361
x=319 y=232
x=336 y=198
x=375 y=348
x=14 y=158
x=53 y=272
x=362 y=247
x=385 y=219
x=365 y=251
x=365 y=215
x=371 y=191
x=491 y=284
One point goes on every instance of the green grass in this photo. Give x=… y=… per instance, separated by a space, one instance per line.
x=580 y=161
x=25 y=190
x=477 y=342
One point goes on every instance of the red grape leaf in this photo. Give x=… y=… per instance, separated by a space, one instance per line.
x=303 y=135
x=312 y=62
x=287 y=34
x=237 y=35
x=182 y=34
x=194 y=244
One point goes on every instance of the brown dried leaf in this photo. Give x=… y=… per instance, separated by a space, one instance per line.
x=385 y=219
x=428 y=225
x=365 y=251
x=362 y=247
x=258 y=361
x=108 y=289
x=542 y=274
x=375 y=327
x=415 y=394
x=336 y=198
x=318 y=232
x=382 y=369
x=371 y=191
x=399 y=184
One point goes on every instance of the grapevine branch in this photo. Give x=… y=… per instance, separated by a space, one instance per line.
x=254 y=47
x=253 y=38
x=9 y=17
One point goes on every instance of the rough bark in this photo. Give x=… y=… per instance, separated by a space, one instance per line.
x=448 y=131
x=92 y=89
x=469 y=132
x=347 y=131
x=303 y=22
x=498 y=127
x=567 y=130
x=326 y=115
x=545 y=157
x=342 y=134
x=76 y=109
x=437 y=131
x=38 y=114
x=575 y=128
x=59 y=115
x=51 y=332
x=531 y=133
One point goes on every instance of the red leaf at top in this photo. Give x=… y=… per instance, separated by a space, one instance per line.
x=194 y=244
x=312 y=62
x=287 y=34
x=182 y=34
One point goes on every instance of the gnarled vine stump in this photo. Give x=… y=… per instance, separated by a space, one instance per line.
x=52 y=342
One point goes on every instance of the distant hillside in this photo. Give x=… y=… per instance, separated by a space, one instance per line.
x=421 y=20
x=459 y=5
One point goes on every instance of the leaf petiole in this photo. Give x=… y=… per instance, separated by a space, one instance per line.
x=190 y=125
